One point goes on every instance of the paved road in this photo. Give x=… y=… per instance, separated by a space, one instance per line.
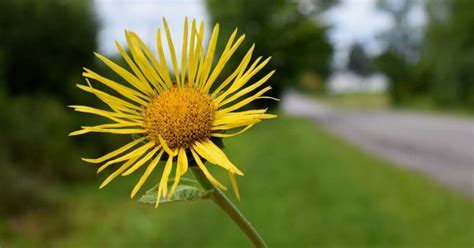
x=440 y=147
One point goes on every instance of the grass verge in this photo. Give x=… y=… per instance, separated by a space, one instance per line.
x=302 y=188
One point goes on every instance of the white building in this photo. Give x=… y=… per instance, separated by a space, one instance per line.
x=349 y=82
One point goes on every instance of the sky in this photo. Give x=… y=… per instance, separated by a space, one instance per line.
x=144 y=17
x=351 y=21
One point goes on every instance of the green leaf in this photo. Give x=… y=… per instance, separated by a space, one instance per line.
x=187 y=190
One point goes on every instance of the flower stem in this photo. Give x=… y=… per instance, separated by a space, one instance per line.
x=229 y=208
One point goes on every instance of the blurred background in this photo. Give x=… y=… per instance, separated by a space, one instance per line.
x=374 y=146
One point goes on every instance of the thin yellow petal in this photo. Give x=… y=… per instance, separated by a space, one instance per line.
x=122 y=90
x=162 y=80
x=165 y=146
x=222 y=158
x=235 y=187
x=174 y=60
x=199 y=54
x=244 y=102
x=184 y=60
x=139 y=151
x=241 y=81
x=214 y=154
x=140 y=82
x=247 y=89
x=192 y=65
x=146 y=68
x=114 y=102
x=118 y=171
x=181 y=168
x=205 y=171
x=242 y=66
x=114 y=153
x=163 y=65
x=114 y=116
x=228 y=135
x=163 y=186
x=146 y=174
x=226 y=55
x=113 y=130
x=209 y=57
x=142 y=161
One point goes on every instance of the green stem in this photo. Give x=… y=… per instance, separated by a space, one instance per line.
x=229 y=208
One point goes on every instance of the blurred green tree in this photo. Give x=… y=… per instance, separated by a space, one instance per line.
x=45 y=43
x=43 y=46
x=286 y=30
x=359 y=62
x=403 y=47
x=449 y=52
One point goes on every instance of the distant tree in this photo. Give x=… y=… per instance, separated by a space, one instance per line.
x=359 y=62
x=402 y=49
x=449 y=51
x=294 y=38
x=400 y=73
x=45 y=43
x=403 y=37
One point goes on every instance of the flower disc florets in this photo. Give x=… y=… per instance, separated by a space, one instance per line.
x=181 y=115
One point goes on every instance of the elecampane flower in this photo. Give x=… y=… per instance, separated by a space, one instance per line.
x=175 y=117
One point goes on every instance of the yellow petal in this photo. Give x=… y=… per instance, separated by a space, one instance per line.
x=237 y=72
x=164 y=66
x=172 y=51
x=147 y=173
x=122 y=90
x=165 y=146
x=204 y=73
x=216 y=151
x=163 y=187
x=206 y=172
x=137 y=152
x=244 y=102
x=146 y=68
x=118 y=171
x=114 y=102
x=226 y=55
x=184 y=60
x=235 y=187
x=228 y=135
x=192 y=64
x=247 y=89
x=140 y=82
x=114 y=116
x=115 y=152
x=199 y=55
x=142 y=161
x=181 y=168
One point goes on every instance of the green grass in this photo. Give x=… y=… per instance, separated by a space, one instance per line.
x=365 y=101
x=303 y=188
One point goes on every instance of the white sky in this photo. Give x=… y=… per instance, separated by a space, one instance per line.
x=352 y=20
x=144 y=17
x=355 y=20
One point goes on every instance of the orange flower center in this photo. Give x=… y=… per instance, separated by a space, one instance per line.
x=181 y=115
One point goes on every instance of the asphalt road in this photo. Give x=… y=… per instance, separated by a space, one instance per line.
x=440 y=147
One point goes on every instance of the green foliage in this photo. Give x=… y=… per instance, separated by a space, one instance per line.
x=442 y=71
x=359 y=62
x=44 y=44
x=400 y=73
x=187 y=190
x=449 y=53
x=34 y=148
x=296 y=42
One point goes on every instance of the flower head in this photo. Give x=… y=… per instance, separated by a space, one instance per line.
x=175 y=118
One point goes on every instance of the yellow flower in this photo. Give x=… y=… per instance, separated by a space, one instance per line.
x=176 y=117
